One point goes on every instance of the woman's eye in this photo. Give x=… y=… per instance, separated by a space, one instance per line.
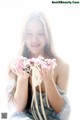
x=41 y=34
x=28 y=34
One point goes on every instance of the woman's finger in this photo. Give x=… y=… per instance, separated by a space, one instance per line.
x=13 y=70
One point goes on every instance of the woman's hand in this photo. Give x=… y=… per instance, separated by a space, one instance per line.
x=21 y=74
x=17 y=68
x=47 y=73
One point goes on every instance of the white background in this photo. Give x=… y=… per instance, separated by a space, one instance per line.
x=64 y=20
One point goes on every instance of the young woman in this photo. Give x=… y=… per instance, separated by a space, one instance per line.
x=37 y=41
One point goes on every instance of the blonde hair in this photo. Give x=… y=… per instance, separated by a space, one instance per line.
x=36 y=81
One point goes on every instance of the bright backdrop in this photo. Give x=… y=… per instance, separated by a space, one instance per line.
x=64 y=20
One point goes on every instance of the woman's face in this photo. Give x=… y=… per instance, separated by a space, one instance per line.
x=35 y=38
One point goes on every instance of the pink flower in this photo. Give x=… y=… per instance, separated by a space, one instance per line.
x=20 y=65
x=22 y=62
x=19 y=62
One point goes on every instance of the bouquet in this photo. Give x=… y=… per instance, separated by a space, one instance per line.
x=34 y=65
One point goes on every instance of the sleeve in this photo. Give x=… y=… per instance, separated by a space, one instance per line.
x=64 y=114
x=66 y=110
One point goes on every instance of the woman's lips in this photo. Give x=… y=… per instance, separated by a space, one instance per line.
x=35 y=45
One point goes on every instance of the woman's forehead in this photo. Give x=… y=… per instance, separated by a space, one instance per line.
x=35 y=24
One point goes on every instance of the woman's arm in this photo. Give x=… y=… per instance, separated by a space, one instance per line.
x=55 y=98
x=63 y=76
x=21 y=94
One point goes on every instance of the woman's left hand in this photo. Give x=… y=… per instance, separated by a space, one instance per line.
x=47 y=73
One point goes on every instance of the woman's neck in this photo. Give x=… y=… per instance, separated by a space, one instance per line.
x=37 y=55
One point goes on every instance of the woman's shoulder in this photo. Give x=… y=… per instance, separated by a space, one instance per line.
x=62 y=71
x=61 y=64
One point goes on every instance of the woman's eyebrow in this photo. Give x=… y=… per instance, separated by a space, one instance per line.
x=28 y=30
x=41 y=30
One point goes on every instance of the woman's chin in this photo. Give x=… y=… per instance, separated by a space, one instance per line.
x=35 y=54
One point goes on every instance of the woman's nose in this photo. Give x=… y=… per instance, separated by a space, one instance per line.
x=34 y=38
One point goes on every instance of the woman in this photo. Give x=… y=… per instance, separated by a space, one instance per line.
x=37 y=41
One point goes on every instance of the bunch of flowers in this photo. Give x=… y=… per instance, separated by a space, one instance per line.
x=35 y=65
x=27 y=64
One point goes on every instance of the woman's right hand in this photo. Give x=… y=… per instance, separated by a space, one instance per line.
x=20 y=73
x=17 y=66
